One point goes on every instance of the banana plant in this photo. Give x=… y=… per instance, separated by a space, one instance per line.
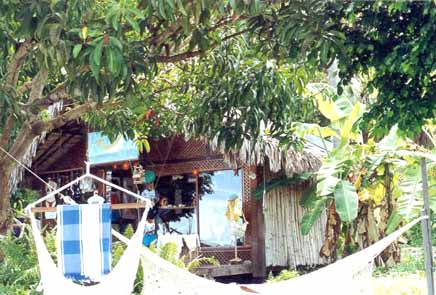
x=408 y=191
x=350 y=173
x=333 y=183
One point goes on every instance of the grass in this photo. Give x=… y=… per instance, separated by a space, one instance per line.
x=407 y=285
x=407 y=277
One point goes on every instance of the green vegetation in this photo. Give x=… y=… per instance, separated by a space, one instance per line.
x=19 y=273
x=282 y=276
x=169 y=253
x=152 y=68
x=391 y=43
x=411 y=263
x=406 y=277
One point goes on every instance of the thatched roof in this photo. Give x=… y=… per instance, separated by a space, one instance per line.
x=17 y=174
x=277 y=157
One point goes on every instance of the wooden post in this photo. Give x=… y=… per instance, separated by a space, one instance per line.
x=426 y=230
x=197 y=206
x=257 y=233
x=100 y=186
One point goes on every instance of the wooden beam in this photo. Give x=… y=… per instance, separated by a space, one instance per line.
x=41 y=147
x=50 y=149
x=61 y=171
x=224 y=270
x=50 y=159
x=114 y=207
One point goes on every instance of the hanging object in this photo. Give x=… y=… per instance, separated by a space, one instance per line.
x=149 y=176
x=120 y=280
x=195 y=172
x=114 y=166
x=101 y=150
x=138 y=174
x=126 y=166
x=234 y=215
x=86 y=185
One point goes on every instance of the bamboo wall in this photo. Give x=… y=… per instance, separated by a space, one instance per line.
x=284 y=244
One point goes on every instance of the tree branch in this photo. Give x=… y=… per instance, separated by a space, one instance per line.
x=30 y=130
x=158 y=40
x=58 y=94
x=12 y=74
x=15 y=64
x=4 y=140
x=191 y=54
x=40 y=126
x=38 y=84
x=24 y=88
x=5 y=137
x=177 y=57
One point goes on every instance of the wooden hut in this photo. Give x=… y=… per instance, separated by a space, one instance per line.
x=272 y=238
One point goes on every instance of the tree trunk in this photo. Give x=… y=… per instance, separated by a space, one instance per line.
x=5 y=204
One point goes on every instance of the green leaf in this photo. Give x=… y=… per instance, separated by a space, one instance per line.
x=146 y=145
x=115 y=20
x=113 y=59
x=133 y=23
x=115 y=42
x=327 y=186
x=161 y=7
x=233 y=4
x=308 y=197
x=346 y=200
x=95 y=69
x=312 y=216
x=355 y=114
x=76 y=50
x=97 y=52
x=324 y=52
x=181 y=8
x=393 y=222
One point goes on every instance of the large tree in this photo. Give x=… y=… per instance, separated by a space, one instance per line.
x=392 y=43
x=204 y=67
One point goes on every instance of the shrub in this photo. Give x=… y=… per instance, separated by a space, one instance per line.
x=19 y=273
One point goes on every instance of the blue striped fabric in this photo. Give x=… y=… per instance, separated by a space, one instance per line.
x=71 y=231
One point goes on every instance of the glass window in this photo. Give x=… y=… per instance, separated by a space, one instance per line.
x=217 y=189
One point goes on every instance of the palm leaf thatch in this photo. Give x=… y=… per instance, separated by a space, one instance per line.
x=268 y=151
x=18 y=172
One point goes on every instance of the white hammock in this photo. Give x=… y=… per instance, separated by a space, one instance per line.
x=351 y=275
x=120 y=281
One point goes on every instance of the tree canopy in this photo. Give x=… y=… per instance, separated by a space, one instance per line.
x=215 y=69
x=392 y=43
x=210 y=68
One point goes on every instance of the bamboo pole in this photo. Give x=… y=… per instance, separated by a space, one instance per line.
x=285 y=246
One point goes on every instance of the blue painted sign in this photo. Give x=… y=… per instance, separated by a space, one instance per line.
x=101 y=150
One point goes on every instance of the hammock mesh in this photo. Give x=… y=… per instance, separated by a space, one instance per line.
x=351 y=275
